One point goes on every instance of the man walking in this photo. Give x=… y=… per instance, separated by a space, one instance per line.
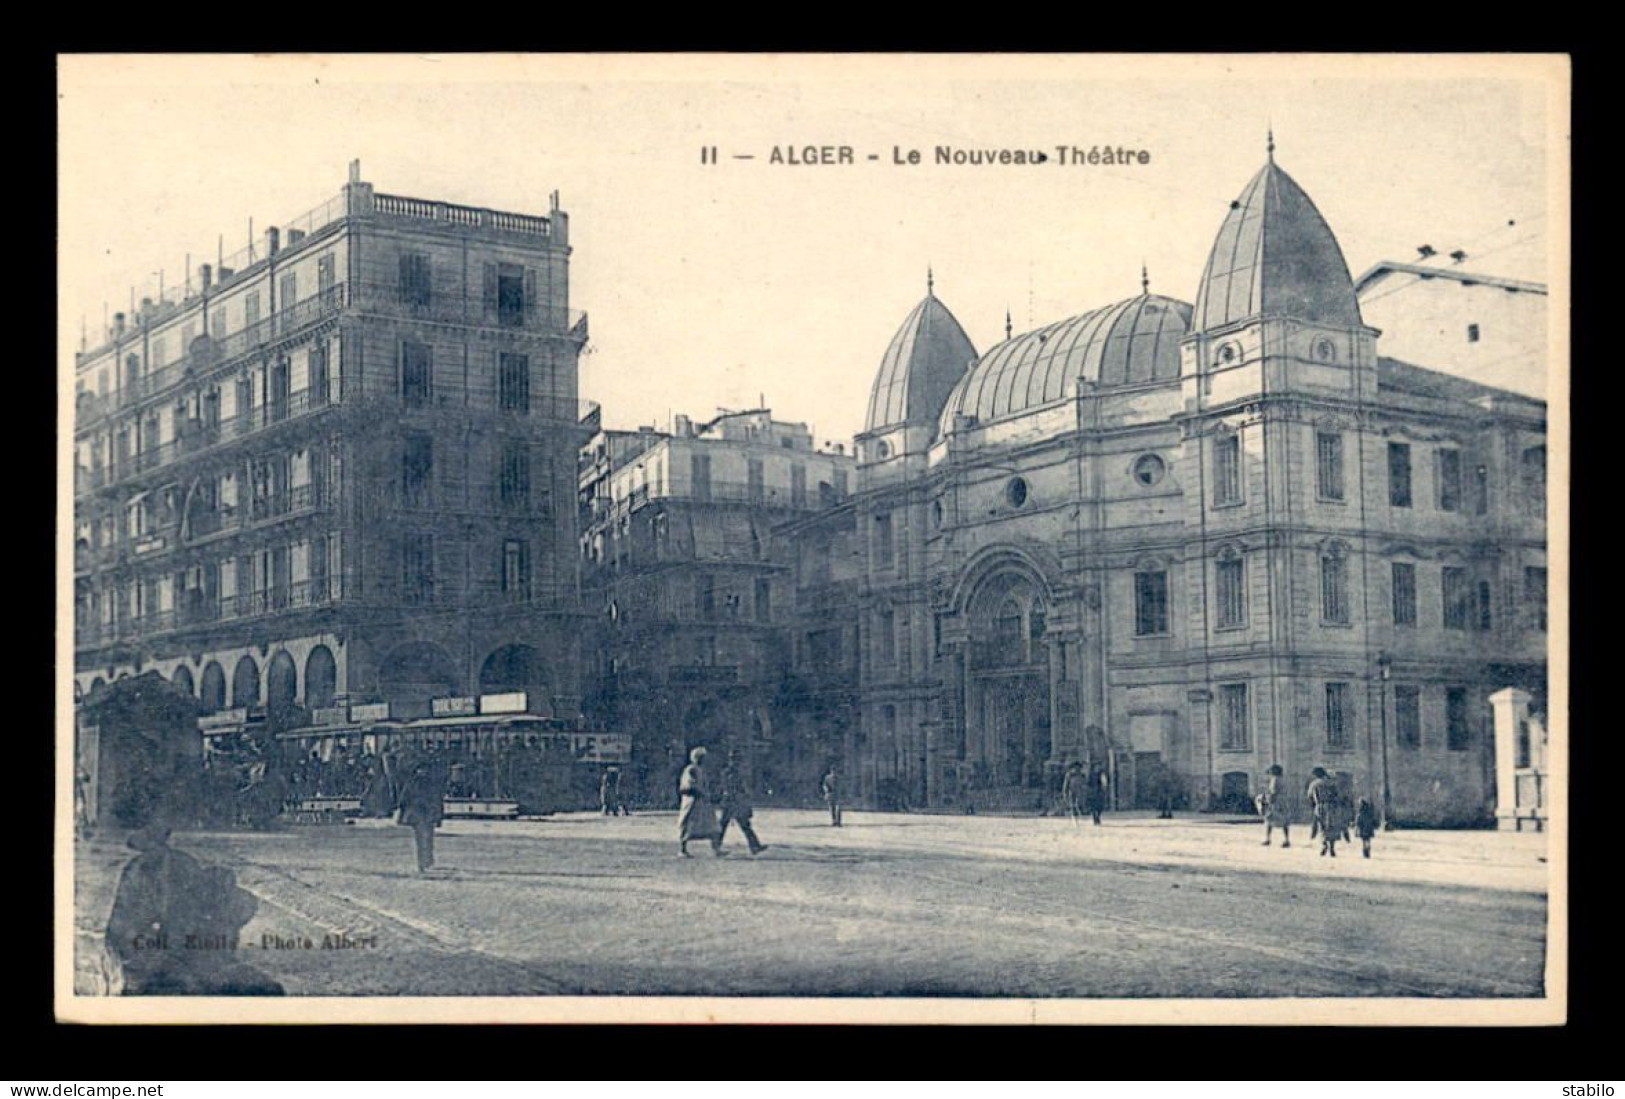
x=1098 y=785
x=423 y=804
x=609 y=794
x=831 y=787
x=736 y=803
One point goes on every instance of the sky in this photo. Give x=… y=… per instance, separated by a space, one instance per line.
x=714 y=286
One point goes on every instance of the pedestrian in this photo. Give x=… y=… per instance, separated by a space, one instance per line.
x=1099 y=783
x=697 y=817
x=737 y=804
x=1074 y=791
x=831 y=787
x=1365 y=823
x=609 y=793
x=1323 y=800
x=1272 y=806
x=423 y=804
x=1165 y=792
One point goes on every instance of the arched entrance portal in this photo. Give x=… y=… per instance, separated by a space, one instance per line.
x=245 y=683
x=415 y=672
x=321 y=678
x=517 y=668
x=213 y=692
x=281 y=683
x=183 y=679
x=1008 y=735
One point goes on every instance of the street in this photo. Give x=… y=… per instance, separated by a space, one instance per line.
x=887 y=905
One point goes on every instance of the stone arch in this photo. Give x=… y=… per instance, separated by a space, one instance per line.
x=281 y=682
x=183 y=679
x=212 y=689
x=416 y=671
x=97 y=682
x=245 y=683
x=321 y=677
x=1009 y=713
x=516 y=667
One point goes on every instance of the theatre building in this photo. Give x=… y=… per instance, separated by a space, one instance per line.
x=1188 y=539
x=339 y=467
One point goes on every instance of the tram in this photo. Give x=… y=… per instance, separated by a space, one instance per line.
x=505 y=762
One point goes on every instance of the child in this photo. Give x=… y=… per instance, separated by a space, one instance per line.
x=1365 y=823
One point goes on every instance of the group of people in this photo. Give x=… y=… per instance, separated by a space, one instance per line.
x=701 y=801
x=1334 y=818
x=1084 y=791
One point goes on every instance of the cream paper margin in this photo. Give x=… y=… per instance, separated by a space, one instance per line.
x=1552 y=70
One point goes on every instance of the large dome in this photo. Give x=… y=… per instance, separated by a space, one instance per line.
x=1132 y=342
x=1275 y=254
x=927 y=356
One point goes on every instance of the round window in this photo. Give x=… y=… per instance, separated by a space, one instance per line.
x=1149 y=468
x=1227 y=354
x=882 y=449
x=1324 y=351
x=1016 y=492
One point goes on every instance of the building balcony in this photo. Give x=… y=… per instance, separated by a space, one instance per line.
x=196 y=609
x=214 y=354
x=732 y=492
x=437 y=306
x=200 y=437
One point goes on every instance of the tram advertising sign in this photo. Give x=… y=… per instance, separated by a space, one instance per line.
x=453 y=707
x=512 y=702
x=373 y=711
x=602 y=747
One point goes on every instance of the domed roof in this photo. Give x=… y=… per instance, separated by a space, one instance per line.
x=1275 y=254
x=924 y=360
x=1131 y=342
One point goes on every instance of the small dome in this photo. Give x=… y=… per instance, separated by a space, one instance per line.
x=1132 y=342
x=927 y=356
x=1275 y=254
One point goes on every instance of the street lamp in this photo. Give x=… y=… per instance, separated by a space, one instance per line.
x=1385 y=669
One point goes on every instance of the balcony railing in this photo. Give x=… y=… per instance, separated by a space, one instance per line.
x=444 y=306
x=453 y=214
x=767 y=496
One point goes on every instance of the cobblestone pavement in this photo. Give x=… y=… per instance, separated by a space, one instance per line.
x=888 y=904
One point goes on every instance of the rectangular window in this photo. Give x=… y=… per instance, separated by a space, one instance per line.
x=1399 y=475
x=513 y=478
x=1408 y=716
x=318 y=376
x=1404 y=594
x=1334 y=588
x=513 y=382
x=1234 y=734
x=417 y=375
x=1486 y=617
x=1227 y=469
x=1458 y=728
x=798 y=485
x=1329 y=465
x=1481 y=490
x=1339 y=725
x=1472 y=333
x=1532 y=472
x=886 y=627
x=417 y=470
x=1150 y=603
x=326 y=277
x=1232 y=591
x=251 y=308
x=217 y=323
x=754 y=484
x=764 y=600
x=510 y=295
x=1449 y=480
x=417 y=567
x=705 y=596
x=700 y=475
x=415 y=286
x=288 y=293
x=1534 y=597
x=1458 y=598
x=885 y=552
x=516 y=570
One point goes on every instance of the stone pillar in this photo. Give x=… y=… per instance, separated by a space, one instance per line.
x=1520 y=796
x=1200 y=780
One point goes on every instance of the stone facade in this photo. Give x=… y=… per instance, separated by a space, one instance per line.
x=341 y=469
x=1180 y=541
